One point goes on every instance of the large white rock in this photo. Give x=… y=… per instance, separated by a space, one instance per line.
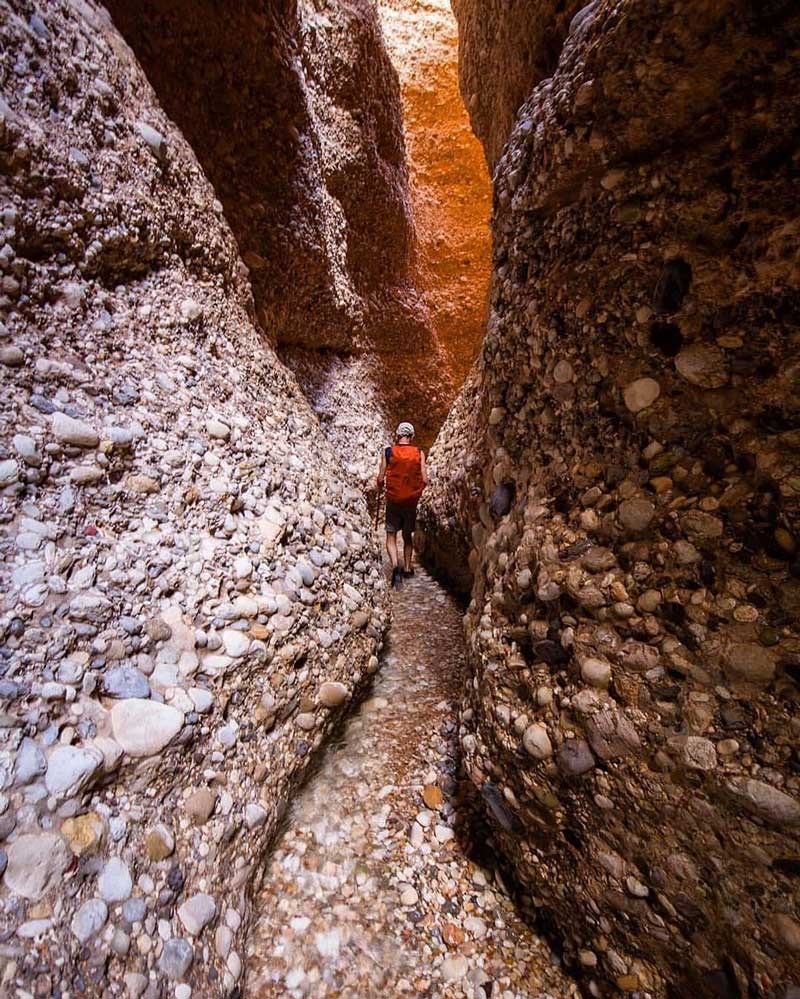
x=70 y=768
x=35 y=864
x=115 y=883
x=71 y=431
x=218 y=429
x=196 y=912
x=332 y=694
x=537 y=741
x=236 y=642
x=8 y=472
x=142 y=727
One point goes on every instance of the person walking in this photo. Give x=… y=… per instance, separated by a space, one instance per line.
x=403 y=469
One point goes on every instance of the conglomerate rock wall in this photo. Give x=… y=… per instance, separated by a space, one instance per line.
x=505 y=47
x=621 y=481
x=293 y=110
x=190 y=592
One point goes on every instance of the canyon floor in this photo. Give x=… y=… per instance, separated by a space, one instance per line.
x=376 y=887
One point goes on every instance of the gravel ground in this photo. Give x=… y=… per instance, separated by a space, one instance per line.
x=372 y=891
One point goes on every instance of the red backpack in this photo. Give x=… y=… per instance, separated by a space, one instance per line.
x=404 y=483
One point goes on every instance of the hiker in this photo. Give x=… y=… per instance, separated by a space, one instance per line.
x=403 y=468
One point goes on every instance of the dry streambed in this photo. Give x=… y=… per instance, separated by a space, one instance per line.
x=371 y=890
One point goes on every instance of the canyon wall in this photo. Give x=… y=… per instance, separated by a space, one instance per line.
x=190 y=590
x=293 y=110
x=620 y=479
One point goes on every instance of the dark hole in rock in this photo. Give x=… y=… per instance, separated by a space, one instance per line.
x=498 y=807
x=666 y=337
x=773 y=420
x=562 y=503
x=792 y=670
x=673 y=285
x=551 y=653
x=708 y=573
x=722 y=983
x=787 y=865
x=502 y=498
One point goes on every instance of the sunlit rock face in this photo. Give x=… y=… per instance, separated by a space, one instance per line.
x=449 y=186
x=184 y=561
x=294 y=112
x=620 y=478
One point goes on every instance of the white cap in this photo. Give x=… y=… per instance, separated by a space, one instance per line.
x=405 y=429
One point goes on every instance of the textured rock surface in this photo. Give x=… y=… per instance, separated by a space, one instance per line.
x=293 y=109
x=173 y=526
x=505 y=46
x=621 y=478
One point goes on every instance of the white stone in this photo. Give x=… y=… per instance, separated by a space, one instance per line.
x=243 y=567
x=36 y=863
x=191 y=310
x=143 y=728
x=201 y=698
x=218 y=429
x=135 y=984
x=536 y=742
x=70 y=768
x=596 y=672
x=8 y=472
x=408 y=895
x=254 y=816
x=332 y=694
x=89 y=919
x=196 y=912
x=223 y=940
x=115 y=883
x=72 y=431
x=454 y=968
x=236 y=642
x=34 y=928
x=641 y=393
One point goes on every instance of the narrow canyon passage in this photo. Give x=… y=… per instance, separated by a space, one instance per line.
x=373 y=889
x=448 y=180
x=239 y=243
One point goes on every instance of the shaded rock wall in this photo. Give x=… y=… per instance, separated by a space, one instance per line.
x=293 y=110
x=505 y=47
x=189 y=592
x=621 y=476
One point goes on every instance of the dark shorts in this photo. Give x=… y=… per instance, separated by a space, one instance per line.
x=400 y=518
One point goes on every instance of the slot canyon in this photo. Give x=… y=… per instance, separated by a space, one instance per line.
x=239 y=243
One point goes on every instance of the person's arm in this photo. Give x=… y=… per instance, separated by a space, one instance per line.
x=381 y=472
x=424 y=467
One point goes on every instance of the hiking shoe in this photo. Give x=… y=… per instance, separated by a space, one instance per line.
x=397 y=577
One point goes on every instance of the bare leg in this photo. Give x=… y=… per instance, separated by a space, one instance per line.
x=391 y=548
x=408 y=550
